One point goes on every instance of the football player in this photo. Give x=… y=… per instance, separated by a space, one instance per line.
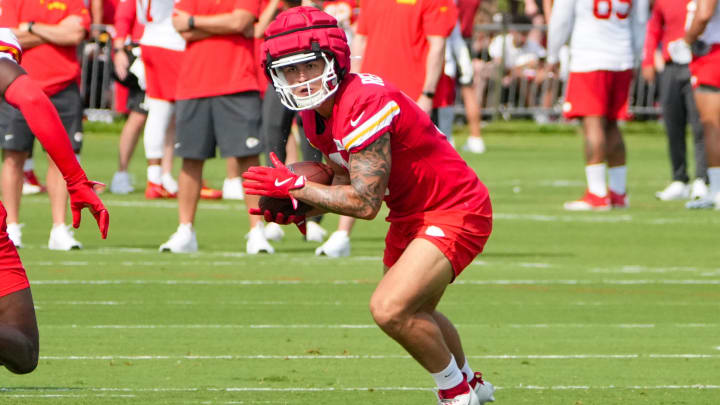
x=606 y=40
x=704 y=34
x=18 y=326
x=382 y=147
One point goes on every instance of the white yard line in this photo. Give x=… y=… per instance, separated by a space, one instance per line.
x=373 y=326
x=382 y=357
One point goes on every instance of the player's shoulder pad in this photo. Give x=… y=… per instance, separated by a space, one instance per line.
x=9 y=45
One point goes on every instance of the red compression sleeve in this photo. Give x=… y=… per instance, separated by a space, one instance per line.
x=44 y=121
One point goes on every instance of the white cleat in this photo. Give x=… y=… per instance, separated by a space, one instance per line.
x=698 y=190
x=256 y=241
x=677 y=190
x=337 y=245
x=273 y=231
x=314 y=232
x=233 y=189
x=483 y=389
x=183 y=240
x=474 y=144
x=15 y=234
x=169 y=184
x=61 y=238
x=121 y=183
x=30 y=189
x=470 y=398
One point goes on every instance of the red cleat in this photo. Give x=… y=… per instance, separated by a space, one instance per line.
x=154 y=191
x=31 y=184
x=207 y=193
x=619 y=200
x=589 y=202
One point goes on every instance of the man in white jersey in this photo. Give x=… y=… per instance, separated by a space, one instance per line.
x=606 y=40
x=702 y=38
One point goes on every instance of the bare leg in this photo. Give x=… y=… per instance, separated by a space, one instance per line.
x=614 y=145
x=594 y=134
x=129 y=137
x=243 y=164
x=12 y=182
x=709 y=107
x=403 y=304
x=19 y=343
x=57 y=191
x=169 y=148
x=472 y=109
x=189 y=185
x=346 y=224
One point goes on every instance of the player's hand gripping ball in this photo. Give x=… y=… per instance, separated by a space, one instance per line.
x=315 y=172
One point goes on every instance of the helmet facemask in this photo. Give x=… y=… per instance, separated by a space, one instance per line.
x=328 y=78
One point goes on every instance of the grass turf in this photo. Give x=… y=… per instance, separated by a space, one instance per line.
x=562 y=308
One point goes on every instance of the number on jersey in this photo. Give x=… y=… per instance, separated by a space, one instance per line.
x=367 y=78
x=603 y=9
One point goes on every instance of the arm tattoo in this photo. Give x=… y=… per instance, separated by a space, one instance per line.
x=369 y=175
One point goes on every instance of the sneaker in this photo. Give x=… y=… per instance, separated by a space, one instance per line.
x=589 y=202
x=698 y=189
x=474 y=144
x=337 y=245
x=256 y=241
x=468 y=398
x=619 y=200
x=314 y=232
x=207 y=193
x=121 y=183
x=15 y=234
x=233 y=189
x=273 y=231
x=31 y=184
x=483 y=389
x=701 y=204
x=183 y=240
x=677 y=190
x=154 y=191
x=61 y=238
x=169 y=184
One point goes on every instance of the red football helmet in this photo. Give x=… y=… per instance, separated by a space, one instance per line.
x=299 y=35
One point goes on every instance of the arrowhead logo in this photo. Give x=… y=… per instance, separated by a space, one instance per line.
x=281 y=183
x=356 y=120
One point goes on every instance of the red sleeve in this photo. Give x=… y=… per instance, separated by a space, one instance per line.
x=653 y=35
x=44 y=121
x=187 y=6
x=9 y=14
x=125 y=16
x=253 y=6
x=439 y=17
x=362 y=28
x=78 y=8
x=371 y=114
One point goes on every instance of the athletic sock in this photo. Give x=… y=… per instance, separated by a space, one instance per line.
x=154 y=174
x=617 y=179
x=449 y=377
x=467 y=371
x=714 y=178
x=169 y=183
x=29 y=165
x=595 y=175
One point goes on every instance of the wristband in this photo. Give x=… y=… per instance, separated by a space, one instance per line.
x=29 y=27
x=191 y=22
x=429 y=94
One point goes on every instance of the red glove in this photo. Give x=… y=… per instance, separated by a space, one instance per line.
x=273 y=181
x=84 y=194
x=282 y=219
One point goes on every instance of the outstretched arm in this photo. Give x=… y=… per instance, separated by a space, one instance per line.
x=42 y=118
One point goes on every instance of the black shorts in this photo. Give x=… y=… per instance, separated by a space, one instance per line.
x=17 y=136
x=229 y=122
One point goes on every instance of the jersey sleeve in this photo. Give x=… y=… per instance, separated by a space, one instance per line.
x=9 y=46
x=125 y=16
x=187 y=6
x=9 y=14
x=439 y=17
x=252 y=6
x=78 y=8
x=371 y=114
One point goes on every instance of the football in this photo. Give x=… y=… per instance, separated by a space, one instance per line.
x=316 y=172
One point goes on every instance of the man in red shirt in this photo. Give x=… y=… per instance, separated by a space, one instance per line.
x=382 y=146
x=666 y=24
x=218 y=105
x=49 y=32
x=18 y=326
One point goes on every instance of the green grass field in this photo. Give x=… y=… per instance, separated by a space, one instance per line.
x=566 y=308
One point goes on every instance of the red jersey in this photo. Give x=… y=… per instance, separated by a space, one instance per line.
x=666 y=24
x=427 y=173
x=126 y=22
x=467 y=10
x=221 y=64
x=396 y=31
x=53 y=67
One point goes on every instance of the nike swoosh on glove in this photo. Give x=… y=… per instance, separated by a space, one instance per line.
x=273 y=181
x=282 y=219
x=84 y=194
